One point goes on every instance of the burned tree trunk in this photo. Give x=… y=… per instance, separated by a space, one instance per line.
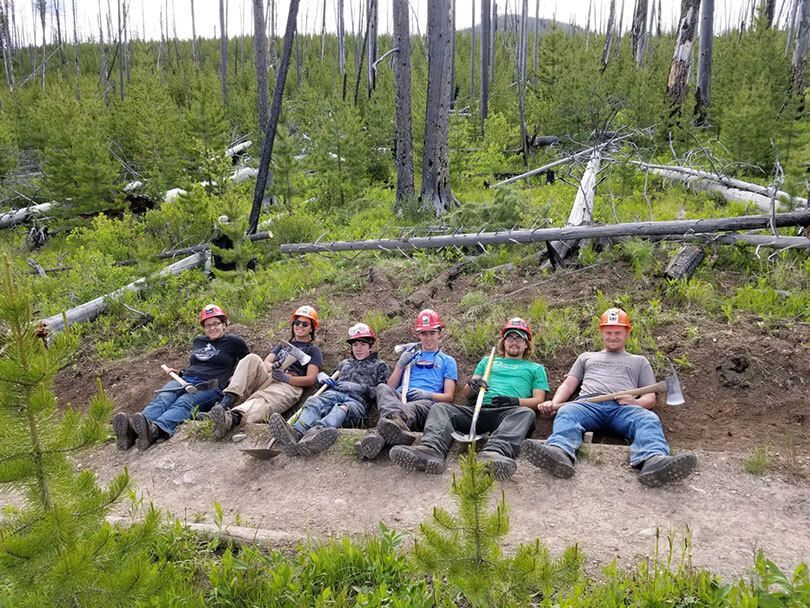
x=452 y=52
x=371 y=45
x=493 y=43
x=436 y=158
x=536 y=42
x=638 y=30
x=195 y=51
x=768 y=10
x=677 y=84
x=223 y=52
x=341 y=34
x=260 y=61
x=486 y=40
x=472 y=55
x=799 y=61
x=685 y=262
x=120 y=53
x=704 y=75
x=609 y=35
x=522 y=49
x=402 y=83
x=76 y=68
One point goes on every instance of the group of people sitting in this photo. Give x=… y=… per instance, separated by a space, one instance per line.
x=234 y=386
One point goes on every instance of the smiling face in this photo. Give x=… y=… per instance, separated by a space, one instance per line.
x=514 y=345
x=214 y=328
x=614 y=338
x=302 y=329
x=430 y=339
x=361 y=349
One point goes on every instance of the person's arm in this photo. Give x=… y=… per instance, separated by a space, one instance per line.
x=563 y=394
x=308 y=380
x=538 y=396
x=468 y=393
x=449 y=392
x=646 y=401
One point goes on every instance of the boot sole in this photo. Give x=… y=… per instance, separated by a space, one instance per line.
x=676 y=469
x=124 y=435
x=502 y=469
x=539 y=457
x=413 y=462
x=393 y=434
x=140 y=425
x=219 y=420
x=369 y=447
x=321 y=442
x=279 y=429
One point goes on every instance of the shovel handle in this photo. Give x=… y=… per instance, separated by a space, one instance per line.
x=479 y=402
x=297 y=413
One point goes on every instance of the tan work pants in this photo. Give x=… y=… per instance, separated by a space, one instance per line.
x=264 y=395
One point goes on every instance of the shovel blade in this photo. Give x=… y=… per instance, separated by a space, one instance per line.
x=466 y=438
x=261 y=453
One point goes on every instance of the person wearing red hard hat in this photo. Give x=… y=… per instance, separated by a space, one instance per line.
x=515 y=388
x=346 y=402
x=211 y=364
x=600 y=373
x=432 y=377
x=272 y=384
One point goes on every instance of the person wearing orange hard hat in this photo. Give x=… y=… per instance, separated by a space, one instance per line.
x=273 y=384
x=432 y=377
x=610 y=370
x=214 y=356
x=346 y=401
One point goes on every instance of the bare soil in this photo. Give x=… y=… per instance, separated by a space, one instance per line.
x=746 y=386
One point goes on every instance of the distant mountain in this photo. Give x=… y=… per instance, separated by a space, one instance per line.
x=512 y=23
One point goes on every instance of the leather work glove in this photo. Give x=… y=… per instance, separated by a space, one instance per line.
x=280 y=376
x=477 y=384
x=326 y=379
x=407 y=356
x=417 y=393
x=504 y=401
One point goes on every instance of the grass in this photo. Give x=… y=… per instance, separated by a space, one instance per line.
x=759 y=460
x=379 y=321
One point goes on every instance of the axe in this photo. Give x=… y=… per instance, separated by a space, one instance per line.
x=271 y=451
x=406 y=375
x=188 y=387
x=472 y=437
x=671 y=386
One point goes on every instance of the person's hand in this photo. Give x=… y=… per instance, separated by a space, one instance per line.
x=417 y=393
x=324 y=378
x=476 y=384
x=280 y=376
x=504 y=401
x=547 y=408
x=349 y=387
x=408 y=355
x=628 y=400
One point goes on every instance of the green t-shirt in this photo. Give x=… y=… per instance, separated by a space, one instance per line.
x=512 y=378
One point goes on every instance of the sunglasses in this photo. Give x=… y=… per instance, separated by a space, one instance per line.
x=300 y=323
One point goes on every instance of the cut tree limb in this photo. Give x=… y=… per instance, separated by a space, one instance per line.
x=685 y=262
x=20 y=216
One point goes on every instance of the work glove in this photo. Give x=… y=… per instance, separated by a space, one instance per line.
x=408 y=355
x=504 y=401
x=275 y=364
x=326 y=379
x=281 y=376
x=349 y=387
x=417 y=393
x=477 y=384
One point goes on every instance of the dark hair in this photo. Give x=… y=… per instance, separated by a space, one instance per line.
x=311 y=328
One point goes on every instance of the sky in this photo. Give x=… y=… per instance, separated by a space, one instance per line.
x=145 y=15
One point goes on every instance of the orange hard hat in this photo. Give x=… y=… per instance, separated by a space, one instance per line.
x=428 y=320
x=615 y=317
x=212 y=310
x=518 y=325
x=308 y=312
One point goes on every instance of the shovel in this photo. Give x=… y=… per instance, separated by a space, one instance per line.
x=671 y=386
x=472 y=437
x=271 y=451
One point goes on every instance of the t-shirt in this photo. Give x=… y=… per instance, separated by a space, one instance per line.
x=512 y=378
x=216 y=358
x=604 y=372
x=431 y=377
x=282 y=350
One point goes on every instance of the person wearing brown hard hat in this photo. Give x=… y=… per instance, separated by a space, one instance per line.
x=604 y=372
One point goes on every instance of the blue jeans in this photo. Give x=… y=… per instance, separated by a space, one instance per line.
x=632 y=422
x=331 y=409
x=169 y=409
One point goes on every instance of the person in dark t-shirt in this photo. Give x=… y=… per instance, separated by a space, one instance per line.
x=213 y=359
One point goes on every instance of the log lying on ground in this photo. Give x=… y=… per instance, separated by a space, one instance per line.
x=20 y=216
x=93 y=308
x=685 y=262
x=754 y=240
x=517 y=237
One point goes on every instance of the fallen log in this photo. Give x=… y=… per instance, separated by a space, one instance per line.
x=701 y=184
x=517 y=237
x=755 y=240
x=93 y=308
x=20 y=216
x=685 y=262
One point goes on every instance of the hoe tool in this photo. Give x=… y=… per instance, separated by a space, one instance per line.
x=472 y=437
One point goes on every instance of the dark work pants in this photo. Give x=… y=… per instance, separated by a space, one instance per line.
x=508 y=427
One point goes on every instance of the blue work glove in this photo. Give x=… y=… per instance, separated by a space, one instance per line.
x=408 y=355
x=476 y=384
x=504 y=401
x=327 y=380
x=281 y=376
x=349 y=387
x=417 y=393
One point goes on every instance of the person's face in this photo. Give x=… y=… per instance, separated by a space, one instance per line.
x=614 y=338
x=302 y=329
x=514 y=346
x=430 y=339
x=214 y=328
x=361 y=349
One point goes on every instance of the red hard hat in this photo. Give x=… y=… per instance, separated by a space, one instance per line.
x=615 y=317
x=212 y=310
x=428 y=320
x=519 y=325
x=308 y=312
x=359 y=331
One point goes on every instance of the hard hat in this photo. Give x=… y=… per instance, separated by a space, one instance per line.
x=614 y=317
x=360 y=331
x=519 y=326
x=428 y=320
x=212 y=310
x=308 y=313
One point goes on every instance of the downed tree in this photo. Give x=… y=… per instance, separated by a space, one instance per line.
x=701 y=184
x=755 y=240
x=93 y=308
x=685 y=262
x=20 y=216
x=517 y=237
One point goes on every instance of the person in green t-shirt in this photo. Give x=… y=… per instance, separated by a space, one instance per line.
x=516 y=387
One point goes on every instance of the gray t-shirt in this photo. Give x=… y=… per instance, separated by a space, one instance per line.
x=604 y=372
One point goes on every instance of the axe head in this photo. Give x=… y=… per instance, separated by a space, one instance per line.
x=299 y=355
x=674 y=392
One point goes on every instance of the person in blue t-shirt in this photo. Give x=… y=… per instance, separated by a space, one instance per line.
x=432 y=377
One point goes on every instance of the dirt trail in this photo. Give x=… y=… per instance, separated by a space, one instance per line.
x=728 y=512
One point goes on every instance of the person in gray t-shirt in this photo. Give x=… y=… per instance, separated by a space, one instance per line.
x=599 y=373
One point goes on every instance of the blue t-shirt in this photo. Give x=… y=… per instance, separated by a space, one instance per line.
x=432 y=378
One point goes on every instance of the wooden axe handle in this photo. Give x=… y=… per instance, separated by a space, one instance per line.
x=174 y=376
x=658 y=387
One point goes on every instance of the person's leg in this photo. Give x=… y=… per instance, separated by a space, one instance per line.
x=277 y=397
x=643 y=428
x=345 y=409
x=443 y=419
x=570 y=424
x=249 y=376
x=315 y=408
x=163 y=400
x=183 y=407
x=389 y=402
x=511 y=425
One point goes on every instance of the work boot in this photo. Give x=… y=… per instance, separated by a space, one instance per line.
x=418 y=458
x=548 y=457
x=660 y=470
x=222 y=421
x=316 y=440
x=370 y=446
x=286 y=436
x=146 y=431
x=124 y=434
x=503 y=467
x=227 y=401
x=395 y=431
